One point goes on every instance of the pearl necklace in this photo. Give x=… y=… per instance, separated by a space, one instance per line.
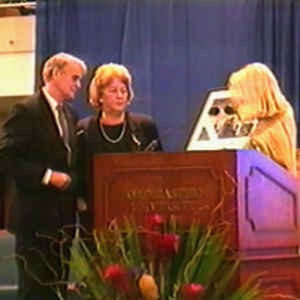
x=118 y=139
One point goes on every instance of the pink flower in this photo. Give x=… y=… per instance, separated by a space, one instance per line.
x=153 y=222
x=168 y=245
x=191 y=291
x=161 y=246
x=118 y=276
x=158 y=245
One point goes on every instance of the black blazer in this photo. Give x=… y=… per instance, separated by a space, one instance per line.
x=142 y=133
x=30 y=144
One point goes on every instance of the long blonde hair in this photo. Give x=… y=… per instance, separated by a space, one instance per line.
x=256 y=92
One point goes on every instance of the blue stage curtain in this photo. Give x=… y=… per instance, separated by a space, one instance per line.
x=176 y=50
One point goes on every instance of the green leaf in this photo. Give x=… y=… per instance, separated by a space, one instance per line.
x=132 y=243
x=203 y=258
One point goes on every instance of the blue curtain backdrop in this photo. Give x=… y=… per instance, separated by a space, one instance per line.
x=176 y=50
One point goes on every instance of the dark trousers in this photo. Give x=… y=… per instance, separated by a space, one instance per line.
x=42 y=266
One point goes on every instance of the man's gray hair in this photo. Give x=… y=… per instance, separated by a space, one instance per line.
x=58 y=62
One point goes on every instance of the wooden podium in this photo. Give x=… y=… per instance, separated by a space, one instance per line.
x=1 y=204
x=257 y=198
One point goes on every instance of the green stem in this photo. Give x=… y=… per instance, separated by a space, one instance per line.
x=151 y=267
x=162 y=281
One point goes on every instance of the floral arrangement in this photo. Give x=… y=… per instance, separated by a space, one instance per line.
x=159 y=260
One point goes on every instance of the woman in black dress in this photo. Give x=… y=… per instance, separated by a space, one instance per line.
x=113 y=129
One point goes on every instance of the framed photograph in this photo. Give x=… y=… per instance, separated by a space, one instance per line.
x=217 y=125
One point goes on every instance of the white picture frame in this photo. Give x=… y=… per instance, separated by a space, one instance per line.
x=218 y=131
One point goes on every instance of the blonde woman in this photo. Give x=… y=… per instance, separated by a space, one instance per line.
x=257 y=96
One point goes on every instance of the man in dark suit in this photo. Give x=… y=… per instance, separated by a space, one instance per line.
x=37 y=150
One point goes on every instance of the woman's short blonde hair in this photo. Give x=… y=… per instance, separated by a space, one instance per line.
x=58 y=62
x=104 y=75
x=255 y=86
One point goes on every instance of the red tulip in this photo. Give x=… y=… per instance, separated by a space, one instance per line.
x=168 y=245
x=153 y=222
x=118 y=276
x=191 y=291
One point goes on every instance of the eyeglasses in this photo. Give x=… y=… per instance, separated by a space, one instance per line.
x=216 y=110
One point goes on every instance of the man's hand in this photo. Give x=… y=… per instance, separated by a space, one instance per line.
x=60 y=180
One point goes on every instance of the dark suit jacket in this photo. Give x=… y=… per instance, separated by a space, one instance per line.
x=30 y=144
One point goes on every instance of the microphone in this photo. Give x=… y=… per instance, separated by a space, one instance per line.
x=151 y=146
x=154 y=143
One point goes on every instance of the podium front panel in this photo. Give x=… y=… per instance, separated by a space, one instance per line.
x=180 y=184
x=247 y=192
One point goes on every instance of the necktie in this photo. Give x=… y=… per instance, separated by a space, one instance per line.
x=65 y=130
x=63 y=125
